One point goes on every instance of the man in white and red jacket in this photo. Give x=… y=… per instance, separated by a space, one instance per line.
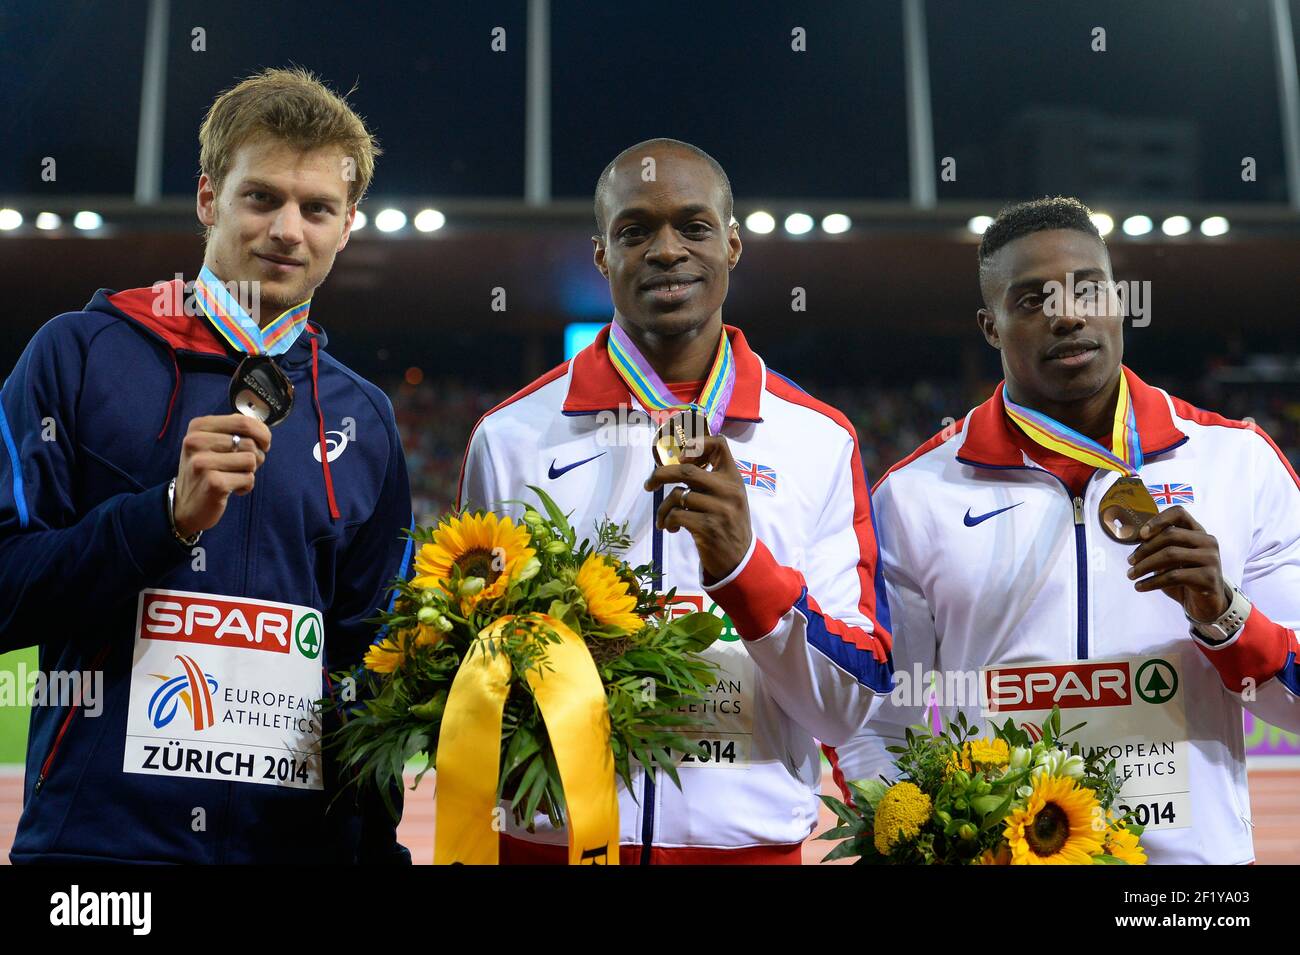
x=779 y=537
x=994 y=554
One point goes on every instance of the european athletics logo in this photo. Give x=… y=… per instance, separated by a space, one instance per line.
x=194 y=687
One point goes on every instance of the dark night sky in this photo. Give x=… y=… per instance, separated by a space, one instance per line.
x=826 y=123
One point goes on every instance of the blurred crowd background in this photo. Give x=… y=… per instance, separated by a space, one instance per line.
x=435 y=418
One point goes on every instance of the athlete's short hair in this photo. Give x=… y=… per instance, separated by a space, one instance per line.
x=291 y=105
x=1036 y=215
x=602 y=184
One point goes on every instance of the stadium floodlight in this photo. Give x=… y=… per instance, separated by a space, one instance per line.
x=979 y=224
x=1214 y=225
x=48 y=220
x=1104 y=223
x=390 y=220
x=798 y=223
x=1176 y=225
x=359 y=221
x=430 y=220
x=87 y=221
x=10 y=219
x=1137 y=225
x=760 y=222
x=836 y=223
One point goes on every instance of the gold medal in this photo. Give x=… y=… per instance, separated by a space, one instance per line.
x=678 y=433
x=1125 y=508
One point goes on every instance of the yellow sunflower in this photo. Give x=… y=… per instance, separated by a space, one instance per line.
x=989 y=752
x=1123 y=845
x=482 y=546
x=609 y=598
x=385 y=656
x=1056 y=826
x=902 y=811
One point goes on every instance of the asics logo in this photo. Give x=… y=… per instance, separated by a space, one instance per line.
x=335 y=442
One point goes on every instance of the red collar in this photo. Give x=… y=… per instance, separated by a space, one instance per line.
x=596 y=386
x=169 y=322
x=992 y=440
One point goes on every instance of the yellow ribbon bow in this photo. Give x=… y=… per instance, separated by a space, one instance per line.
x=572 y=701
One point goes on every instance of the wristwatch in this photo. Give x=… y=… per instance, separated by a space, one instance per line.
x=171 y=517
x=1227 y=625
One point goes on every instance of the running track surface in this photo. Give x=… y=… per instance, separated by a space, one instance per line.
x=1274 y=797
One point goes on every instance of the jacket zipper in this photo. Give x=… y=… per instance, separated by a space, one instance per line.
x=1081 y=549
x=250 y=504
x=648 y=796
x=63 y=728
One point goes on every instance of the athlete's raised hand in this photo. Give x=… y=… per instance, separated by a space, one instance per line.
x=713 y=506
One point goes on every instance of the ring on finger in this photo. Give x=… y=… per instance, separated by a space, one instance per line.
x=682 y=501
x=234 y=441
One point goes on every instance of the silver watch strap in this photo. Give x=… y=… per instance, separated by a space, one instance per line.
x=1227 y=625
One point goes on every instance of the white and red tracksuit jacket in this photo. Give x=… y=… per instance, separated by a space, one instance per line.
x=806 y=655
x=993 y=555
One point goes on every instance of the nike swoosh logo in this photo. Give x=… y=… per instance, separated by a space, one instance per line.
x=555 y=472
x=972 y=521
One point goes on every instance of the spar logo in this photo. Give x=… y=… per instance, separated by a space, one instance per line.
x=214 y=620
x=1156 y=681
x=1071 y=685
x=193 y=688
x=307 y=635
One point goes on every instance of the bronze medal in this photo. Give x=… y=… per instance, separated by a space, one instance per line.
x=1125 y=508
x=261 y=390
x=676 y=434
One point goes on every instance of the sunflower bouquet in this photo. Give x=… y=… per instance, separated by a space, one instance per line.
x=1002 y=799
x=495 y=595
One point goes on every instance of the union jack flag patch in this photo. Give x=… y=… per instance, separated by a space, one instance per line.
x=757 y=475
x=1167 y=495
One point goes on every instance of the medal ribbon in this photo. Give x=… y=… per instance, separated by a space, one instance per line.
x=572 y=700
x=1125 y=454
x=237 y=327
x=656 y=397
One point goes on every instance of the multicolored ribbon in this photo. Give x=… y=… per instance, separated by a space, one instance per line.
x=572 y=700
x=236 y=326
x=656 y=397
x=1125 y=454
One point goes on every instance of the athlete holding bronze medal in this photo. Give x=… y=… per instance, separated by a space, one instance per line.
x=1021 y=548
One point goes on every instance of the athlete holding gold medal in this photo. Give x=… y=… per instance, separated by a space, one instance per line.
x=641 y=427
x=1023 y=546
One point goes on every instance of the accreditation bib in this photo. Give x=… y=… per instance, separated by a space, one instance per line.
x=1134 y=709
x=225 y=688
x=722 y=729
